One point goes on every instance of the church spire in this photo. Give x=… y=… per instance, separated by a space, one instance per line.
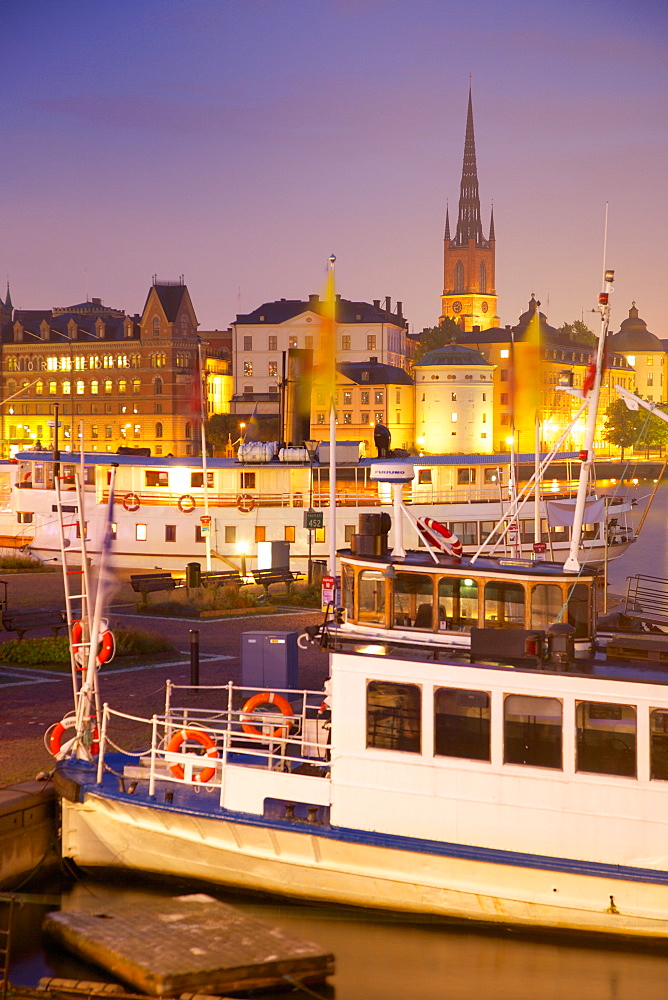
x=491 y=226
x=469 y=226
x=447 y=222
x=8 y=301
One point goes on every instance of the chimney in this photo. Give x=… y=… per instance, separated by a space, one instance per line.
x=313 y=300
x=388 y=304
x=400 y=310
x=376 y=303
x=373 y=361
x=476 y=329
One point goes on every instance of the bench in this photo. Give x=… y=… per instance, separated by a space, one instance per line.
x=25 y=619
x=229 y=578
x=149 y=583
x=268 y=576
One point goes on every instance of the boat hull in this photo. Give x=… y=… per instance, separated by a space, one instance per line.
x=363 y=869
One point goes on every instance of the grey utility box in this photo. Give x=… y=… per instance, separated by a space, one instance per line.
x=269 y=660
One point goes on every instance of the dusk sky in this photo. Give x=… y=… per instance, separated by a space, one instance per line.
x=240 y=142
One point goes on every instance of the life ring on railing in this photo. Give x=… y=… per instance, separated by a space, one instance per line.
x=440 y=537
x=202 y=737
x=186 y=504
x=106 y=652
x=267 y=698
x=131 y=502
x=245 y=503
x=56 y=735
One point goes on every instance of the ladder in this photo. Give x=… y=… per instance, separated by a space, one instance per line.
x=6 y=943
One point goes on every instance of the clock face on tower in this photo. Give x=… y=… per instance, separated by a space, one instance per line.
x=485 y=307
x=456 y=307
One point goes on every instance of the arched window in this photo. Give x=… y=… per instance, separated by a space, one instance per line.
x=459 y=278
x=483 y=278
x=189 y=431
x=39 y=387
x=136 y=386
x=80 y=387
x=158 y=430
x=108 y=386
x=67 y=388
x=156 y=326
x=158 y=387
x=94 y=387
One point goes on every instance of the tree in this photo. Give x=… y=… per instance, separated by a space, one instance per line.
x=622 y=426
x=222 y=427
x=579 y=333
x=433 y=337
x=654 y=430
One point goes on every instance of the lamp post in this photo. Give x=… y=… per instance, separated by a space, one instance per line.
x=311 y=448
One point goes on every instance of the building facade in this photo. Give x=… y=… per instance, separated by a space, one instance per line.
x=454 y=402
x=645 y=353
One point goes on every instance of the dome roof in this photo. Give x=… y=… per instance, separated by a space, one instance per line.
x=452 y=354
x=634 y=337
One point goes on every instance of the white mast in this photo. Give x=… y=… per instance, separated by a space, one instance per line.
x=331 y=351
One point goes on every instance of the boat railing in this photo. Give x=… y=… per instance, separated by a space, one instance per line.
x=188 y=744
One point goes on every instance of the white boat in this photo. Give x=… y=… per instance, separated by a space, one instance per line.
x=160 y=503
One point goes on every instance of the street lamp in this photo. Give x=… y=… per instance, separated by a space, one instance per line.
x=311 y=448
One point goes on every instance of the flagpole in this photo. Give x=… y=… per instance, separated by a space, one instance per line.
x=331 y=350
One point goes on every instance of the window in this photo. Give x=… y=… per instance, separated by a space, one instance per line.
x=398 y=396
x=95 y=432
x=504 y=374
x=453 y=418
x=260 y=533
x=320 y=535
x=347 y=418
x=345 y=342
x=94 y=387
x=414 y=601
x=160 y=478
x=292 y=342
x=483 y=278
x=393 y=716
x=122 y=386
x=424 y=477
x=188 y=431
x=107 y=431
x=532 y=732
x=504 y=399
x=378 y=396
x=136 y=430
x=546 y=604
x=158 y=408
x=108 y=386
x=248 y=369
x=141 y=532
x=158 y=386
x=320 y=418
x=136 y=386
x=199 y=536
x=273 y=369
x=39 y=388
x=273 y=343
x=462 y=724
x=371 y=597
x=504 y=604
x=67 y=388
x=156 y=326
x=457 y=604
x=365 y=399
x=347 y=399
x=371 y=342
x=650 y=378
x=230 y=534
x=606 y=738
x=492 y=476
x=53 y=388
x=289 y=533
x=459 y=278
x=379 y=417
x=308 y=341
x=348 y=531
x=248 y=343
x=247 y=480
x=364 y=417
x=197 y=480
x=465 y=477
x=658 y=744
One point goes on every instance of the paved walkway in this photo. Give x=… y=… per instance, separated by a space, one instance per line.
x=31 y=700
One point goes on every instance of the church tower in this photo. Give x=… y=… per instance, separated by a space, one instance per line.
x=469 y=282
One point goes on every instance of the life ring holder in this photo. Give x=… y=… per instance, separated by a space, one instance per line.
x=105 y=653
x=186 y=503
x=245 y=503
x=267 y=698
x=200 y=736
x=55 y=735
x=131 y=502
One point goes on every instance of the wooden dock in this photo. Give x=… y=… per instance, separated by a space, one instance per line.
x=188 y=944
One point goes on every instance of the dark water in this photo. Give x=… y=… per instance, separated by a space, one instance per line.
x=390 y=958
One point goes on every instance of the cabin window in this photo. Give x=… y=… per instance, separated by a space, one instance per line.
x=371 y=597
x=85 y=529
x=492 y=476
x=170 y=532
x=486 y=529
x=504 y=604
x=546 y=605
x=197 y=480
x=39 y=474
x=230 y=534
x=141 y=532
x=658 y=744
x=465 y=477
x=606 y=738
x=457 y=603
x=320 y=535
x=579 y=609
x=247 y=480
x=68 y=475
x=424 y=477
x=348 y=531
x=199 y=536
x=156 y=478
x=260 y=533
x=289 y=533
x=532 y=731
x=466 y=531
x=24 y=517
x=393 y=716
x=462 y=724
x=348 y=584
x=414 y=601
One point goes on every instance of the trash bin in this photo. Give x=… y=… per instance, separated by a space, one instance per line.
x=193 y=574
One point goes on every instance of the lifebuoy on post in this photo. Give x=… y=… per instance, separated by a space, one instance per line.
x=56 y=735
x=201 y=737
x=105 y=653
x=245 y=503
x=440 y=537
x=186 y=504
x=267 y=698
x=131 y=502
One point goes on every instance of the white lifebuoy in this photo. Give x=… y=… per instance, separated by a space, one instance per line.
x=131 y=502
x=200 y=736
x=267 y=698
x=186 y=504
x=440 y=537
x=106 y=652
x=245 y=503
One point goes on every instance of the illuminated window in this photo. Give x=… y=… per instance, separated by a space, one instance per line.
x=39 y=388
x=53 y=388
x=136 y=386
x=378 y=396
x=379 y=418
x=293 y=342
x=260 y=533
x=289 y=533
x=122 y=385
x=248 y=369
x=140 y=532
x=348 y=399
x=67 y=388
x=320 y=418
x=95 y=431
x=80 y=387
x=505 y=353
x=107 y=431
x=66 y=364
x=108 y=386
x=371 y=342
x=365 y=399
x=273 y=369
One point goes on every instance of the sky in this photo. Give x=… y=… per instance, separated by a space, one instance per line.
x=239 y=143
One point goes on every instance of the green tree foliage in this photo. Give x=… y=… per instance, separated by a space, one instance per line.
x=224 y=426
x=654 y=432
x=622 y=426
x=433 y=337
x=579 y=333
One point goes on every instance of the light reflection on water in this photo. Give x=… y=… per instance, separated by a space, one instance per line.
x=390 y=958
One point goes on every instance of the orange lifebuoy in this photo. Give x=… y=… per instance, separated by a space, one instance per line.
x=267 y=698
x=200 y=736
x=186 y=504
x=57 y=731
x=245 y=503
x=440 y=537
x=106 y=652
x=131 y=502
